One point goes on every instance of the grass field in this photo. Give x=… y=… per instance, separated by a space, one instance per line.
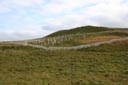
x=102 y=65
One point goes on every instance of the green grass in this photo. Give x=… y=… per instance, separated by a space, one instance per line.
x=103 y=65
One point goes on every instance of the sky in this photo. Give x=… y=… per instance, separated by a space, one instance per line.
x=29 y=19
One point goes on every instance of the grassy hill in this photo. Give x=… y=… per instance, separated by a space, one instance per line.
x=102 y=65
x=80 y=35
x=83 y=29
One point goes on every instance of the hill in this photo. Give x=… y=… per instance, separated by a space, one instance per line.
x=21 y=63
x=82 y=29
x=80 y=35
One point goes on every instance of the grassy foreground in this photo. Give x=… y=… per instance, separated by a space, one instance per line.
x=103 y=65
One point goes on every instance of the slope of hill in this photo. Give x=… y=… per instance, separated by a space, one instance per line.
x=105 y=64
x=83 y=29
x=80 y=36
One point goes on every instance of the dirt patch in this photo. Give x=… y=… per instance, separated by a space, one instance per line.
x=99 y=39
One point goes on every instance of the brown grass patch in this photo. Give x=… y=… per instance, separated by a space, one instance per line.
x=99 y=39
x=120 y=43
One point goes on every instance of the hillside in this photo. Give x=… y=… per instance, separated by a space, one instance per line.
x=32 y=62
x=80 y=35
x=83 y=29
x=79 y=30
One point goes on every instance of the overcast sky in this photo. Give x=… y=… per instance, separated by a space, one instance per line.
x=27 y=19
